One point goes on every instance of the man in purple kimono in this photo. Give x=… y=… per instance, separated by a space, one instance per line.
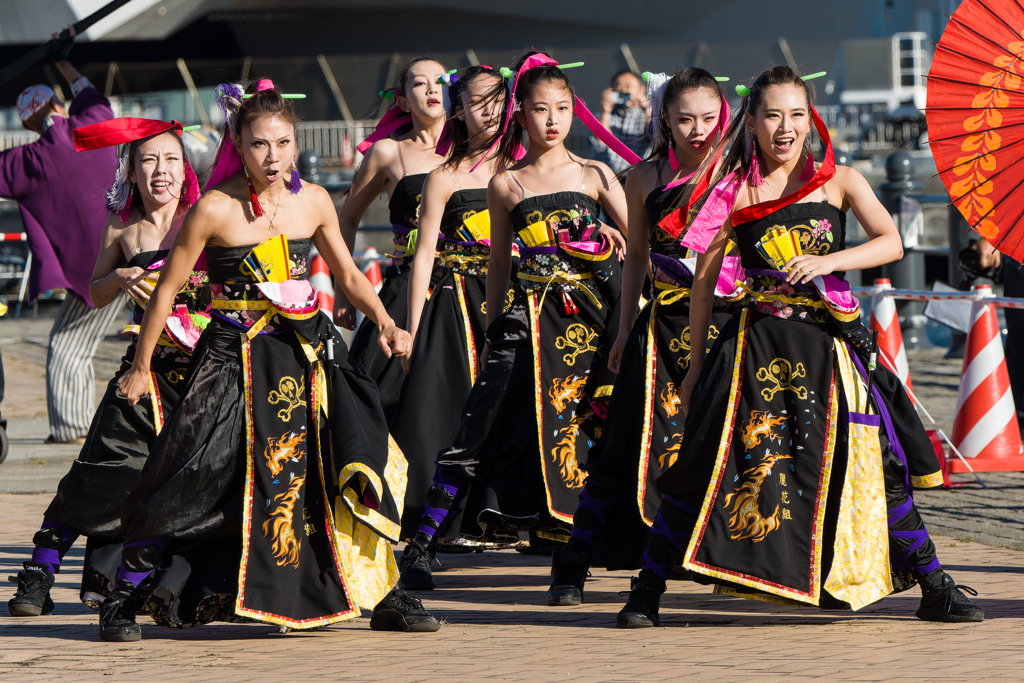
x=61 y=196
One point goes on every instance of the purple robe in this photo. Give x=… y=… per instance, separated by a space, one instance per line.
x=61 y=196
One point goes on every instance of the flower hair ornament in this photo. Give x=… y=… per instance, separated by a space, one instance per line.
x=579 y=109
x=228 y=161
x=656 y=83
x=754 y=178
x=124 y=131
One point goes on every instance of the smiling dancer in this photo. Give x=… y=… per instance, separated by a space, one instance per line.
x=267 y=495
x=154 y=187
x=448 y=334
x=641 y=434
x=396 y=161
x=793 y=482
x=536 y=405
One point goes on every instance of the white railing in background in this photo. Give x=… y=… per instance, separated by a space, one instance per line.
x=335 y=140
x=13 y=138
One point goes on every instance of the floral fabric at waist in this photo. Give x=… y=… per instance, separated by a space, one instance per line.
x=543 y=269
x=467 y=258
x=817 y=302
x=246 y=306
x=405 y=240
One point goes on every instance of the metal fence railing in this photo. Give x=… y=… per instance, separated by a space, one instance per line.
x=13 y=138
x=335 y=140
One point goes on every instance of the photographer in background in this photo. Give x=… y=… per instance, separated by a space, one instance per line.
x=624 y=113
x=1013 y=286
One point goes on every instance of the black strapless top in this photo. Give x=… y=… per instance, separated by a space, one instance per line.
x=224 y=264
x=461 y=205
x=555 y=207
x=404 y=204
x=820 y=226
x=658 y=204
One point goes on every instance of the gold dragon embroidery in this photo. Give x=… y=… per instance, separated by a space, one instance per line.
x=279 y=450
x=288 y=392
x=745 y=519
x=670 y=399
x=285 y=547
x=564 y=453
x=781 y=373
x=672 y=454
x=565 y=391
x=580 y=339
x=758 y=426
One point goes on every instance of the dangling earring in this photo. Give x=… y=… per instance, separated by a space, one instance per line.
x=294 y=182
x=257 y=210
x=672 y=157
x=808 y=172
x=754 y=177
x=126 y=212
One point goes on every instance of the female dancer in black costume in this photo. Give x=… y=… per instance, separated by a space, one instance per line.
x=793 y=483
x=448 y=334
x=154 y=187
x=396 y=161
x=267 y=495
x=536 y=405
x=644 y=426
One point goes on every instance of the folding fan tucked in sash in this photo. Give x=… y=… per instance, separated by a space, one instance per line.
x=976 y=118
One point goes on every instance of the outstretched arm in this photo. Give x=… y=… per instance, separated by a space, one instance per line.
x=350 y=280
x=367 y=184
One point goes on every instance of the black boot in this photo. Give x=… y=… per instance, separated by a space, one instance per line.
x=641 y=610
x=570 y=565
x=33 y=595
x=117 y=613
x=399 y=611
x=942 y=600
x=415 y=568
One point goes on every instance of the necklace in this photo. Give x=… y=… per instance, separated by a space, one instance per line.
x=271 y=219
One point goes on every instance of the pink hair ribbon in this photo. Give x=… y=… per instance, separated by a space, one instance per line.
x=393 y=119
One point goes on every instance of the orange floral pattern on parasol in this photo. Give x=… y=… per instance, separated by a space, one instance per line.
x=976 y=118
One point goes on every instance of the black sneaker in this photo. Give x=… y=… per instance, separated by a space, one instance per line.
x=948 y=603
x=641 y=610
x=117 y=614
x=570 y=565
x=399 y=611
x=414 y=566
x=33 y=595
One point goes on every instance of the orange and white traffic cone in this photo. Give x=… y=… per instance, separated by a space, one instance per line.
x=985 y=429
x=890 y=338
x=346 y=150
x=371 y=268
x=320 y=277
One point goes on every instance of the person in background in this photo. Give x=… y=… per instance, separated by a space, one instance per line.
x=61 y=196
x=1013 y=285
x=624 y=113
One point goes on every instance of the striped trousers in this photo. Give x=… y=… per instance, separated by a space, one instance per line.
x=70 y=378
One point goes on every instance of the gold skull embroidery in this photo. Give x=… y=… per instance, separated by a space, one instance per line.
x=780 y=373
x=288 y=392
x=580 y=339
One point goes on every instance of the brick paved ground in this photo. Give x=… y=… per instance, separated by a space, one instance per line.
x=497 y=628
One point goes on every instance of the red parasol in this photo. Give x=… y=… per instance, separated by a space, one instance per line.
x=976 y=118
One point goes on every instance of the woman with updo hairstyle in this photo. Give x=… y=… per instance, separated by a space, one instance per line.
x=798 y=460
x=643 y=427
x=152 y=191
x=448 y=332
x=267 y=495
x=519 y=454
x=398 y=157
